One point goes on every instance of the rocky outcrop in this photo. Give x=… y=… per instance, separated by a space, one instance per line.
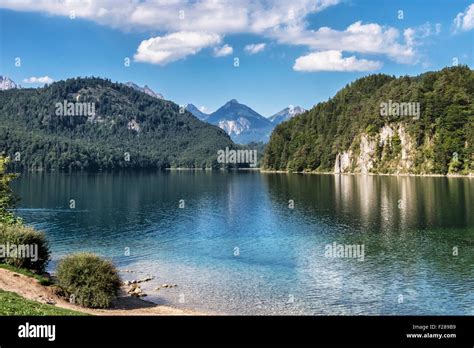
x=392 y=146
x=7 y=83
x=133 y=125
x=366 y=158
x=343 y=162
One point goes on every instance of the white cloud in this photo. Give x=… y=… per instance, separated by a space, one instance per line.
x=41 y=80
x=168 y=48
x=221 y=17
x=223 y=51
x=415 y=36
x=465 y=20
x=333 y=61
x=282 y=20
x=369 y=38
x=255 y=48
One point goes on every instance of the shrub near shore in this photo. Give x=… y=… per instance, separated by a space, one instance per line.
x=88 y=280
x=23 y=247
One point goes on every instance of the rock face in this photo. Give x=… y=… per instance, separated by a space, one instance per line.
x=6 y=83
x=365 y=161
x=133 y=125
x=343 y=162
x=234 y=127
x=369 y=151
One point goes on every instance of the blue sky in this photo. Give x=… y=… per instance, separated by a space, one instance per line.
x=290 y=52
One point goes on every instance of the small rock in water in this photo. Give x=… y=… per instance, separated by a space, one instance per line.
x=146 y=279
x=166 y=286
x=132 y=288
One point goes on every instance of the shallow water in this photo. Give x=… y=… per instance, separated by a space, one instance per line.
x=238 y=246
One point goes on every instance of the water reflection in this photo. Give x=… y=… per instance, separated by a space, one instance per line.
x=380 y=202
x=408 y=225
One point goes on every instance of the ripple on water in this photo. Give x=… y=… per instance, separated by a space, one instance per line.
x=237 y=248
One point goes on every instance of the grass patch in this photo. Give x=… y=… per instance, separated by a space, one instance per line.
x=42 y=280
x=13 y=304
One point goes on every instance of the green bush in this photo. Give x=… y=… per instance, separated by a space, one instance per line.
x=90 y=280
x=7 y=197
x=26 y=247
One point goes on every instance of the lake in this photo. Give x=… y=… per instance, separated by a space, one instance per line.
x=264 y=243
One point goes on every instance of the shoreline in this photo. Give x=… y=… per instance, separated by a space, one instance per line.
x=260 y=170
x=470 y=176
x=30 y=289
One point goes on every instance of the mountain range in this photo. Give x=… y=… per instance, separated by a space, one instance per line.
x=376 y=124
x=243 y=124
x=240 y=122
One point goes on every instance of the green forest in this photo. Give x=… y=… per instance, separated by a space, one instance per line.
x=132 y=130
x=443 y=135
x=35 y=137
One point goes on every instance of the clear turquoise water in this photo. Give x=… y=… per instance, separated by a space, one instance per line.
x=408 y=226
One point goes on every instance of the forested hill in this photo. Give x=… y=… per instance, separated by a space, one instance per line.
x=366 y=128
x=94 y=124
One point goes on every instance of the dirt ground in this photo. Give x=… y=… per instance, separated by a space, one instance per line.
x=30 y=288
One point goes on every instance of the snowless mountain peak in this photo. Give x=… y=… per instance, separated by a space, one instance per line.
x=196 y=112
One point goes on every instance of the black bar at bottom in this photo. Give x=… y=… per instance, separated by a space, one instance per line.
x=225 y=330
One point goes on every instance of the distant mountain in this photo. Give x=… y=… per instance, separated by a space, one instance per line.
x=7 y=83
x=243 y=124
x=286 y=114
x=196 y=112
x=145 y=89
x=94 y=124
